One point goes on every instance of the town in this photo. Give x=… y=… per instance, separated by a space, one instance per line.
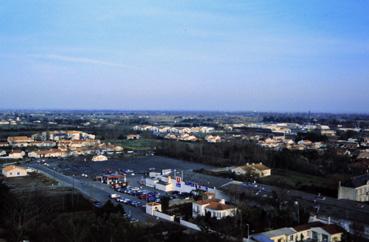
x=151 y=171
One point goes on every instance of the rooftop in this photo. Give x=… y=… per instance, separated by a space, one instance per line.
x=357 y=181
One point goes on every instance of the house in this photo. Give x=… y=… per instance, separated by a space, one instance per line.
x=99 y=158
x=315 y=231
x=133 y=136
x=277 y=235
x=74 y=144
x=213 y=139
x=19 y=141
x=4 y=144
x=14 y=171
x=51 y=153
x=44 y=144
x=259 y=169
x=16 y=154
x=214 y=207
x=153 y=207
x=357 y=189
x=73 y=134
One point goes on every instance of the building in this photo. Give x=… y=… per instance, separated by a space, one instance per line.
x=19 y=141
x=51 y=153
x=133 y=136
x=111 y=179
x=163 y=181
x=99 y=158
x=16 y=154
x=214 y=207
x=258 y=169
x=357 y=189
x=213 y=139
x=153 y=207
x=316 y=231
x=14 y=171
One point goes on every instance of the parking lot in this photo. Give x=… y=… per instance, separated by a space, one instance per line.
x=81 y=174
x=135 y=169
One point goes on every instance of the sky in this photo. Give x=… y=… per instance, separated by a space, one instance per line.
x=221 y=55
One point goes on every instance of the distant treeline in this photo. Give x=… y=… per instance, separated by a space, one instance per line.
x=238 y=153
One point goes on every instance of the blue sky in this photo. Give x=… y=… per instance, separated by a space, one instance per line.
x=185 y=55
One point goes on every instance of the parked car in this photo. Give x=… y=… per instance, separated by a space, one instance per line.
x=114 y=195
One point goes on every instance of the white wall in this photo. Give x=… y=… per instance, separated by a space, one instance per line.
x=189 y=225
x=164 y=216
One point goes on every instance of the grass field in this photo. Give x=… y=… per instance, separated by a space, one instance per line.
x=301 y=181
x=140 y=144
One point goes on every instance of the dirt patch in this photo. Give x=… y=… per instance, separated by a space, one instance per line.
x=32 y=182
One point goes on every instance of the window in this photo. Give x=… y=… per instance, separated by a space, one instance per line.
x=18 y=173
x=10 y=173
x=315 y=235
x=324 y=238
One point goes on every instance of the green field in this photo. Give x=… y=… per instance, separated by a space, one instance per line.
x=140 y=144
x=301 y=181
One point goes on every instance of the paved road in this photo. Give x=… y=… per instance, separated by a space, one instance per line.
x=94 y=191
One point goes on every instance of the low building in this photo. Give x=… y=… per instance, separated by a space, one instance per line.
x=258 y=169
x=165 y=182
x=214 y=207
x=51 y=153
x=316 y=231
x=213 y=139
x=16 y=154
x=99 y=158
x=19 y=141
x=357 y=189
x=153 y=207
x=14 y=171
x=111 y=179
x=44 y=144
x=133 y=136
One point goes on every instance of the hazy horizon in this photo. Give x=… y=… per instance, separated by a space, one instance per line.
x=263 y=56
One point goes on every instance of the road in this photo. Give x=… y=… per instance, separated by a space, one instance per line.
x=94 y=190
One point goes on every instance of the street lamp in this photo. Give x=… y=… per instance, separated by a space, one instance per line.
x=248 y=231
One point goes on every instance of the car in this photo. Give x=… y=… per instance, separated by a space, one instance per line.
x=114 y=195
x=97 y=204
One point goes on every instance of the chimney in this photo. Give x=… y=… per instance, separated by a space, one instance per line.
x=329 y=220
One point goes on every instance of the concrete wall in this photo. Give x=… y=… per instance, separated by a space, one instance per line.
x=346 y=193
x=189 y=225
x=164 y=216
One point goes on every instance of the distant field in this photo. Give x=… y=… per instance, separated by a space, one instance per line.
x=140 y=144
x=300 y=181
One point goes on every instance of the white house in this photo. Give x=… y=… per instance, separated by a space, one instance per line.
x=14 y=171
x=16 y=154
x=258 y=169
x=153 y=207
x=216 y=208
x=357 y=189
x=316 y=231
x=99 y=158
